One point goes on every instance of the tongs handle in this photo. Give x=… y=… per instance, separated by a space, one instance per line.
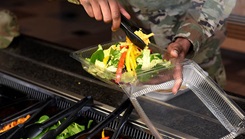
x=123 y=121
x=18 y=129
x=54 y=119
x=71 y=118
x=108 y=119
x=22 y=113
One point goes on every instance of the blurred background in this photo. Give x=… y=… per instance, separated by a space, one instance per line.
x=66 y=24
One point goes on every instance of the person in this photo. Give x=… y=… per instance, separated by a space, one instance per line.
x=9 y=28
x=191 y=29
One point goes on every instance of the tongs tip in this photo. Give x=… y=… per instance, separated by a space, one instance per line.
x=126 y=26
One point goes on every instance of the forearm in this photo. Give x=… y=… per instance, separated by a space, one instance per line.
x=204 y=21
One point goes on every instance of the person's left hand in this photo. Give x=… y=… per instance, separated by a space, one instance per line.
x=177 y=51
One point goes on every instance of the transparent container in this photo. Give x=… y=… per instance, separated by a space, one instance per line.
x=151 y=82
x=142 y=77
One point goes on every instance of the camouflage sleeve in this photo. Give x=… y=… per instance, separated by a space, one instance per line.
x=74 y=1
x=204 y=19
x=9 y=28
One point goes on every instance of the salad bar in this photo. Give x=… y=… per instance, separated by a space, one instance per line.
x=36 y=88
x=46 y=115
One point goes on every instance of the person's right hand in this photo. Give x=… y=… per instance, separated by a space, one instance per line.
x=107 y=10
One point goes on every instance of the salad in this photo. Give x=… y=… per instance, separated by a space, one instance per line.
x=123 y=61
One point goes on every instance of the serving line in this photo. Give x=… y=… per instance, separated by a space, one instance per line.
x=22 y=62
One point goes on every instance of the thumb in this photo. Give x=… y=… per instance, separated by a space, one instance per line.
x=174 y=53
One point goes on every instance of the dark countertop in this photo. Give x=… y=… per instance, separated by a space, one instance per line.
x=49 y=65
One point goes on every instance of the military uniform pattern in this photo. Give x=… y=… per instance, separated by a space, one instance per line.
x=202 y=22
x=9 y=28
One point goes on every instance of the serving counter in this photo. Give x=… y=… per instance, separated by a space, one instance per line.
x=48 y=67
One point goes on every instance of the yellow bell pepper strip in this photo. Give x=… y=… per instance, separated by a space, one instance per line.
x=120 y=67
x=105 y=60
x=127 y=63
x=133 y=62
x=103 y=135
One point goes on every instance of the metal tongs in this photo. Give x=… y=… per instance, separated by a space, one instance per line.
x=18 y=130
x=129 y=28
x=125 y=106
x=71 y=113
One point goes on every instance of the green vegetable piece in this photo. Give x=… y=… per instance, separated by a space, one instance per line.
x=43 y=119
x=97 y=55
x=71 y=130
x=89 y=123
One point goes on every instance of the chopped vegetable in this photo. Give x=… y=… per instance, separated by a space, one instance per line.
x=98 y=55
x=103 y=135
x=71 y=130
x=121 y=62
x=15 y=123
x=120 y=67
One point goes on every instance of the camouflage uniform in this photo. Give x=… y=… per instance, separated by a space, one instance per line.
x=200 y=21
x=8 y=28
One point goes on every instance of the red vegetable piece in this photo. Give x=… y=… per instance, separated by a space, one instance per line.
x=120 y=67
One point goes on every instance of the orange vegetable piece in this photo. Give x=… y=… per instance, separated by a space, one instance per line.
x=15 y=123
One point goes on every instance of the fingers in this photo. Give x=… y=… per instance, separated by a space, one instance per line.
x=175 y=50
x=181 y=46
x=115 y=14
x=176 y=55
x=107 y=10
x=87 y=7
x=124 y=12
x=178 y=77
x=96 y=9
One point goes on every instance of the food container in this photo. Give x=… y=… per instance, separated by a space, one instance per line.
x=150 y=82
x=142 y=78
x=166 y=94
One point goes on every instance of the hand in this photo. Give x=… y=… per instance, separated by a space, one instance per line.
x=107 y=10
x=178 y=51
